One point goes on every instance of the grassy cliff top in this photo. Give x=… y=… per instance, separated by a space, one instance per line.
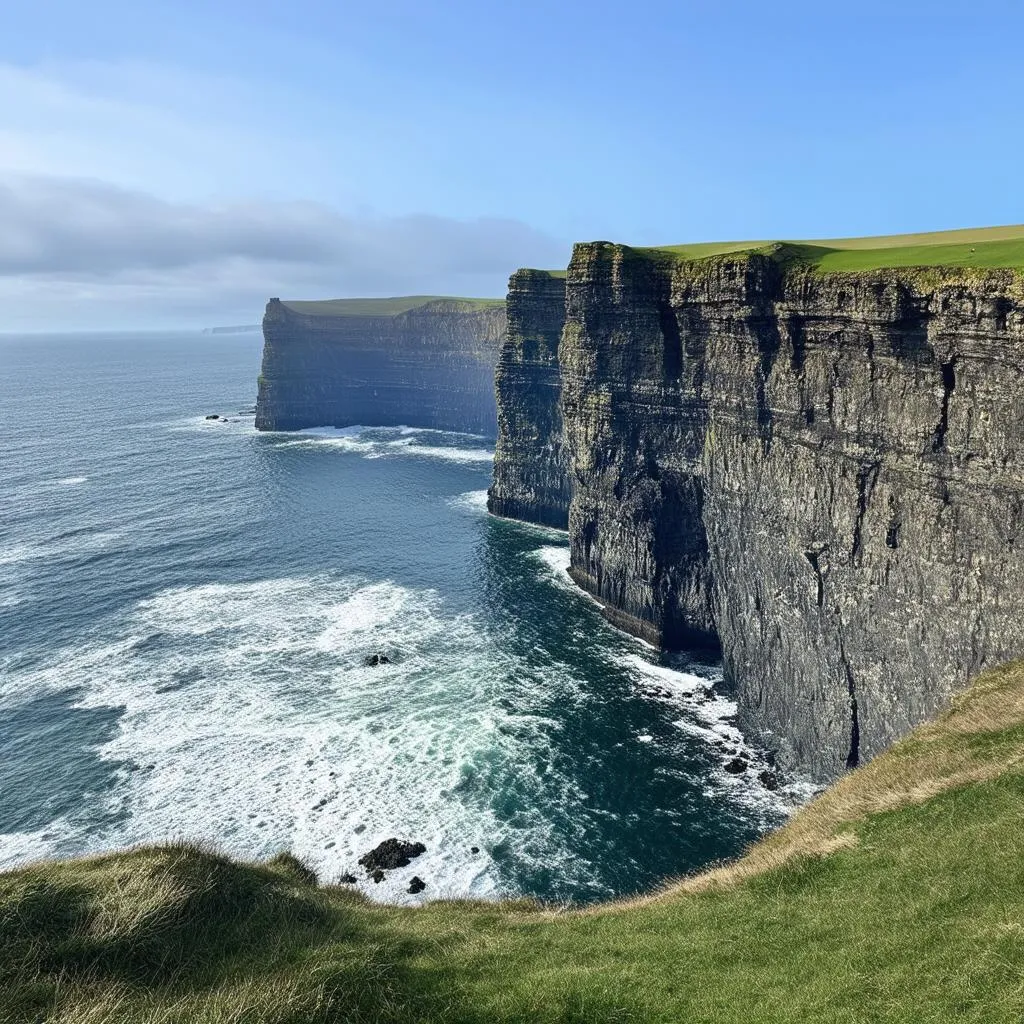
x=970 y=247
x=381 y=307
x=896 y=896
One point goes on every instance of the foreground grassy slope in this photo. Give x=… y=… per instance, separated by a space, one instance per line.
x=383 y=307
x=896 y=896
x=970 y=247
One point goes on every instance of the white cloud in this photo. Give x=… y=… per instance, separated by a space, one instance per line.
x=88 y=253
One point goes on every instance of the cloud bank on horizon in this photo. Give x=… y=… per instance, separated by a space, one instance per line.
x=97 y=248
x=91 y=253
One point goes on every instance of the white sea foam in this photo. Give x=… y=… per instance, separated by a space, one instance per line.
x=555 y=559
x=26 y=847
x=382 y=442
x=248 y=713
x=711 y=717
x=471 y=501
x=72 y=481
x=75 y=542
x=242 y=423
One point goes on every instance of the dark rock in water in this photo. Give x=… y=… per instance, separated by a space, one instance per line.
x=416 y=884
x=374 y=660
x=213 y=416
x=359 y=829
x=737 y=766
x=769 y=780
x=347 y=879
x=474 y=849
x=378 y=876
x=392 y=853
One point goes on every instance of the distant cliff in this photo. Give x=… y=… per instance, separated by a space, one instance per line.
x=821 y=474
x=530 y=473
x=421 y=361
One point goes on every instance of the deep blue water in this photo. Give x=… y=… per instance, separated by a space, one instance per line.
x=186 y=607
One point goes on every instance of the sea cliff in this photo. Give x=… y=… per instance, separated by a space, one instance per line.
x=820 y=474
x=531 y=480
x=424 y=362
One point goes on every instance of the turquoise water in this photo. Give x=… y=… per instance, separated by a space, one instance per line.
x=186 y=607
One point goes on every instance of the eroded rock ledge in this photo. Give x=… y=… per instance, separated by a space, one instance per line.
x=428 y=366
x=821 y=474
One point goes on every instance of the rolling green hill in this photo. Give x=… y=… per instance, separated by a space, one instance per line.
x=896 y=896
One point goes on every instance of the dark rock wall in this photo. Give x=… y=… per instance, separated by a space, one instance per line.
x=822 y=472
x=531 y=480
x=430 y=367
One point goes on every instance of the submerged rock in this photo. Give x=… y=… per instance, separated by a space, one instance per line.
x=374 y=660
x=391 y=854
x=416 y=884
x=347 y=879
x=737 y=766
x=769 y=780
x=213 y=416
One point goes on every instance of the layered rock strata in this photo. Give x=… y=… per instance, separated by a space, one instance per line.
x=821 y=473
x=531 y=480
x=430 y=366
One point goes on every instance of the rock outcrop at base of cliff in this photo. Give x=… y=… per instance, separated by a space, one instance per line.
x=430 y=366
x=531 y=479
x=822 y=473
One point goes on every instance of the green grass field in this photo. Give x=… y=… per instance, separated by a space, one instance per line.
x=382 y=307
x=971 y=247
x=896 y=896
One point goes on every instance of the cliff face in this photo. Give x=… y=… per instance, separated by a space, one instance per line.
x=431 y=366
x=531 y=479
x=824 y=473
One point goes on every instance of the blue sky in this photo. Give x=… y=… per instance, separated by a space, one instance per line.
x=177 y=162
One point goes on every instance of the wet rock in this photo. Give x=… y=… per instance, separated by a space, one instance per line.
x=737 y=766
x=474 y=849
x=213 y=416
x=416 y=884
x=377 y=659
x=377 y=876
x=769 y=780
x=348 y=879
x=391 y=854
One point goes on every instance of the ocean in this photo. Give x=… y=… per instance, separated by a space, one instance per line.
x=187 y=608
